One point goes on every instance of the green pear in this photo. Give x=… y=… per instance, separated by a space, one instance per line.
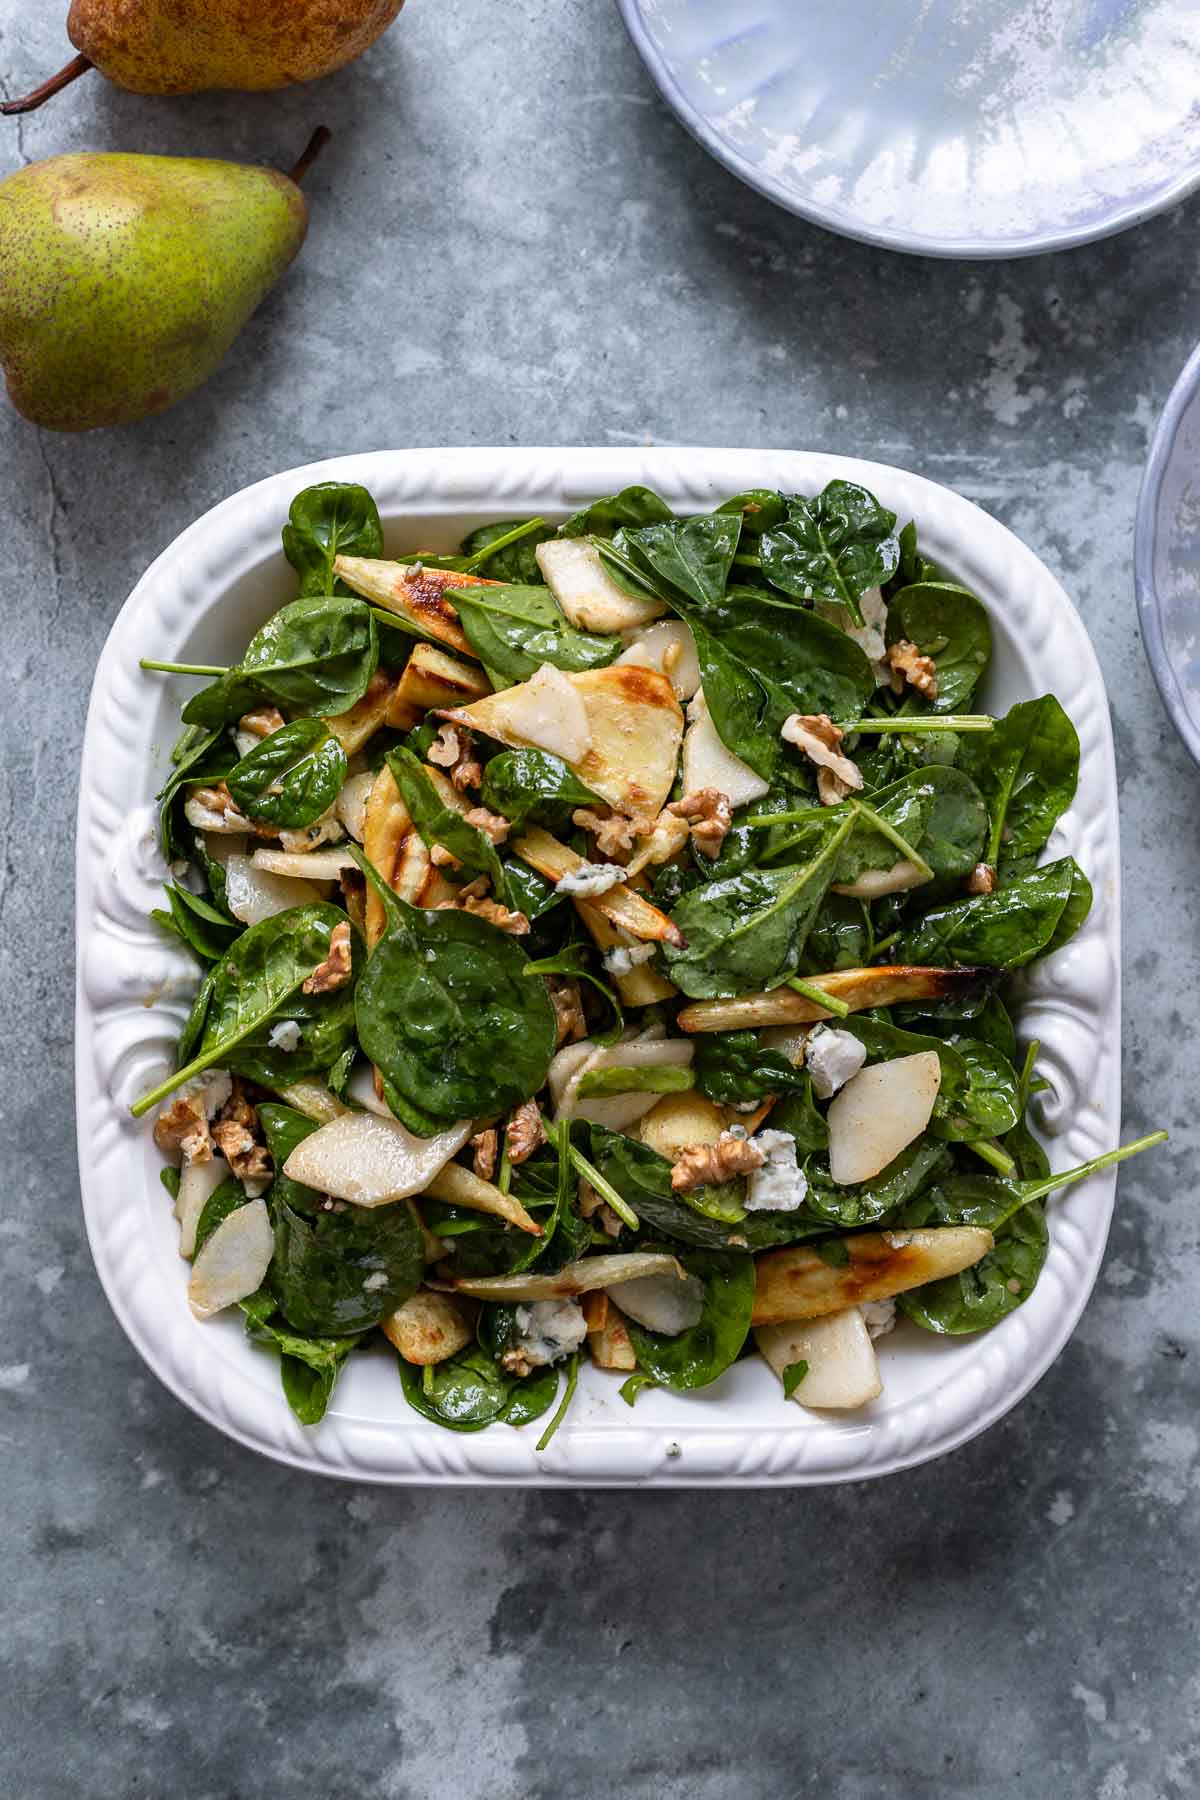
x=125 y=279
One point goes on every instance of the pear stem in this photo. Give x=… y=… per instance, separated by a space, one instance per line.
x=79 y=65
x=312 y=150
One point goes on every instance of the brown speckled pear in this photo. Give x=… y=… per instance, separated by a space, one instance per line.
x=184 y=46
x=125 y=279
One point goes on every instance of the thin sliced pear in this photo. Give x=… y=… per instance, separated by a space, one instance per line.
x=873 y=884
x=414 y=593
x=462 y=1187
x=432 y=679
x=253 y=894
x=428 y=1328
x=709 y=763
x=634 y=732
x=587 y=593
x=670 y=648
x=878 y=1114
x=372 y=1161
x=577 y=1278
x=661 y=1302
x=796 y=1283
x=680 y=1121
x=621 y=904
x=643 y=985
x=314 y=1100
x=234 y=1261
x=619 y=1111
x=609 y=1342
x=842 y=1368
x=197 y=1183
x=548 y=712
x=303 y=865
x=351 y=804
x=860 y=989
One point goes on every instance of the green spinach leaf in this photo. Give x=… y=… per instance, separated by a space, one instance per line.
x=917 y=1166
x=733 y=1066
x=471 y=1390
x=315 y=656
x=643 y=1178
x=516 y=562
x=334 y=518
x=949 y=624
x=308 y=1366
x=632 y=507
x=697 y=1356
x=514 y=630
x=833 y=547
x=988 y=1105
x=761 y=510
x=291 y=777
x=1005 y=929
x=342 y=1271
x=533 y=787
x=225 y=1199
x=1027 y=772
x=202 y=927
x=691 y=557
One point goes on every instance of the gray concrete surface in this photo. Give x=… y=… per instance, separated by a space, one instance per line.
x=514 y=242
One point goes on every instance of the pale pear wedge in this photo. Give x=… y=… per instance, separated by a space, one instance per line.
x=842 y=1368
x=577 y=1278
x=670 y=648
x=428 y=1328
x=859 y=989
x=609 y=1343
x=587 y=593
x=432 y=679
x=386 y=825
x=634 y=731
x=661 y=1302
x=643 y=985
x=680 y=1121
x=621 y=1111
x=458 y=1186
x=371 y=1161
x=357 y=727
x=314 y=1100
x=414 y=593
x=234 y=1261
x=878 y=1114
x=300 y=867
x=873 y=884
x=622 y=905
x=253 y=894
x=709 y=763
x=198 y=1182
x=351 y=803
x=796 y=1283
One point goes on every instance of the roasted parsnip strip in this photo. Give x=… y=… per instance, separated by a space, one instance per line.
x=460 y=1187
x=622 y=904
x=428 y=1328
x=431 y=679
x=796 y=1283
x=577 y=1278
x=413 y=592
x=609 y=1341
x=643 y=985
x=355 y=728
x=858 y=989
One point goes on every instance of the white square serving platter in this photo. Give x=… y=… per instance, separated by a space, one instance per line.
x=200 y=601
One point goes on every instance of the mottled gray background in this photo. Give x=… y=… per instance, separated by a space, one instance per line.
x=513 y=242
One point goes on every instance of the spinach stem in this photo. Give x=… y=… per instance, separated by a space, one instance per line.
x=1025 y=1081
x=812 y=990
x=604 y=1188
x=885 y=943
x=747 y=560
x=501 y=543
x=1038 y=1190
x=173 y=668
x=927 y=722
x=427 y=1380
x=504 y=1175
x=804 y=816
x=560 y=1411
x=991 y=1152
x=879 y=823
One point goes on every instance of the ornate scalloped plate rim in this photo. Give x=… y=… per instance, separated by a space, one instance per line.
x=1148 y=530
x=712 y=1443
x=836 y=219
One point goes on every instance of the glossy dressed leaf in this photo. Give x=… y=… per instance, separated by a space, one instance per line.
x=747 y=932
x=315 y=656
x=533 y=787
x=950 y=625
x=840 y=937
x=1005 y=929
x=514 y=630
x=988 y=1105
x=691 y=557
x=291 y=777
x=198 y=924
x=471 y=1390
x=938 y=811
x=697 y=1356
x=284 y=1128
x=442 y=824
x=990 y=1024
x=643 y=1178
x=833 y=547
x=632 y=507
x=210 y=756
x=308 y=1366
x=515 y=562
x=995 y=1286
x=917 y=1167
x=342 y=1271
x=449 y=1016
x=734 y=1066
x=334 y=518
x=1027 y=771
x=884 y=1042
x=761 y=509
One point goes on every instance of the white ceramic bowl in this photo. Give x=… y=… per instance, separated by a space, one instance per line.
x=200 y=601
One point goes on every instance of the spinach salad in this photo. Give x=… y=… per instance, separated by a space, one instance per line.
x=604 y=939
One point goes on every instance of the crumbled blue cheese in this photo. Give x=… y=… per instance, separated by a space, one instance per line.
x=879 y=1316
x=780 y=1185
x=831 y=1058
x=548 y=1330
x=285 y=1035
x=623 y=960
x=374 y=1282
x=591 y=878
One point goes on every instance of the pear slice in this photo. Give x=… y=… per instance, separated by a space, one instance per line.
x=878 y=1113
x=198 y=1182
x=428 y=1328
x=621 y=904
x=873 y=884
x=796 y=1283
x=234 y=1260
x=681 y=1121
x=860 y=989
x=576 y=1278
x=668 y=647
x=661 y=1302
x=303 y=865
x=842 y=1369
x=414 y=593
x=372 y=1161
x=634 y=727
x=709 y=763
x=619 y=1111
x=587 y=593
x=351 y=804
x=252 y=893
x=458 y=1186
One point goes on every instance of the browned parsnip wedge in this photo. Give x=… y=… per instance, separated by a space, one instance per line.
x=621 y=903
x=642 y=986
x=608 y=1335
x=618 y=728
x=355 y=728
x=577 y=1278
x=458 y=1186
x=796 y=1283
x=842 y=1368
x=413 y=592
x=859 y=989
x=392 y=842
x=428 y=1328
x=432 y=679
